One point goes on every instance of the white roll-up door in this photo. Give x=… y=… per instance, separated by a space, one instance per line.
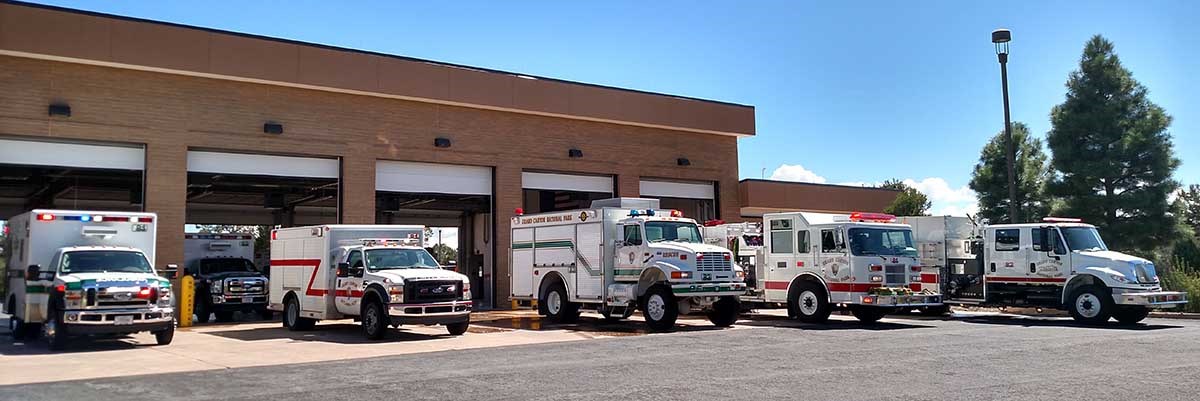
x=396 y=176
x=254 y=164
x=673 y=189
x=567 y=182
x=66 y=154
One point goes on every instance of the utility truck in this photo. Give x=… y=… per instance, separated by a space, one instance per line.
x=620 y=255
x=74 y=273
x=743 y=239
x=1059 y=263
x=226 y=280
x=813 y=263
x=377 y=274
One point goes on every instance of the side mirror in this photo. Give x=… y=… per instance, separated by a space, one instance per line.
x=32 y=272
x=343 y=269
x=171 y=271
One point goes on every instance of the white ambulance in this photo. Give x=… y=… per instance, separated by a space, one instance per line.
x=378 y=274
x=620 y=255
x=74 y=273
x=815 y=262
x=1059 y=263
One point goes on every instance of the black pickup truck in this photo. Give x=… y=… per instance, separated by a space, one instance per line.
x=225 y=285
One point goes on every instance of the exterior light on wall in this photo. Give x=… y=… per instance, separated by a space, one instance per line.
x=441 y=142
x=273 y=128
x=683 y=161
x=60 y=110
x=574 y=153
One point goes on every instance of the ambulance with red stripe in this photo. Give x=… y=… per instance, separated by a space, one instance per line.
x=377 y=274
x=816 y=262
x=1059 y=263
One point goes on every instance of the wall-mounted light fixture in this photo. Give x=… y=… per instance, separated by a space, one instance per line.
x=683 y=161
x=441 y=142
x=60 y=110
x=273 y=128
x=574 y=153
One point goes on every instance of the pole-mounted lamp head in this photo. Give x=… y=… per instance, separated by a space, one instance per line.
x=1001 y=37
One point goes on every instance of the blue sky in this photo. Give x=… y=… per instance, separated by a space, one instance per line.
x=845 y=92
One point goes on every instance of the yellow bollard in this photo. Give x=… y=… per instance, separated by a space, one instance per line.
x=187 y=295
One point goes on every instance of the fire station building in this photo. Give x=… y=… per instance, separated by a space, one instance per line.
x=101 y=112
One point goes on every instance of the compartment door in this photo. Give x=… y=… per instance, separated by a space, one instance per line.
x=521 y=274
x=589 y=272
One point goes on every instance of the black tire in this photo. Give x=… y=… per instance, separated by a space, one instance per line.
x=375 y=321
x=1091 y=304
x=1131 y=314
x=202 y=312
x=868 y=314
x=457 y=329
x=660 y=308
x=224 y=316
x=556 y=302
x=809 y=303
x=291 y=316
x=164 y=337
x=941 y=310
x=607 y=312
x=266 y=314
x=17 y=328
x=725 y=311
x=57 y=334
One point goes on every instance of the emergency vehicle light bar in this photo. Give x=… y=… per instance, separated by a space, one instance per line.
x=1062 y=220
x=872 y=217
x=94 y=218
x=380 y=241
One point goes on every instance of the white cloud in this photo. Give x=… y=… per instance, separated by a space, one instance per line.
x=796 y=172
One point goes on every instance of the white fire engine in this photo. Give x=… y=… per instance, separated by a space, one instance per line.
x=814 y=262
x=619 y=255
x=76 y=273
x=1060 y=263
x=378 y=274
x=743 y=239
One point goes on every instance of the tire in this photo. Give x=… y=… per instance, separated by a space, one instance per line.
x=808 y=303
x=202 y=312
x=225 y=316
x=291 y=316
x=57 y=335
x=607 y=312
x=725 y=312
x=558 y=307
x=375 y=321
x=868 y=314
x=266 y=314
x=1131 y=314
x=18 y=328
x=457 y=329
x=660 y=308
x=164 y=337
x=1091 y=305
x=942 y=310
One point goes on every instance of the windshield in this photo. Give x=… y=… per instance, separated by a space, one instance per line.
x=1083 y=239
x=677 y=231
x=104 y=262
x=383 y=259
x=882 y=241
x=225 y=265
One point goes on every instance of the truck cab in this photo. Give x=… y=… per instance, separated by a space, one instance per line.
x=226 y=280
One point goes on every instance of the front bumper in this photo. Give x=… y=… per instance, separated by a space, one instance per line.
x=97 y=321
x=1151 y=299
x=709 y=289
x=238 y=302
x=431 y=313
x=901 y=301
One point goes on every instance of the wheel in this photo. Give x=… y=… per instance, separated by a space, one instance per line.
x=266 y=314
x=17 y=328
x=808 y=303
x=56 y=333
x=457 y=329
x=1091 y=304
x=868 y=314
x=941 y=310
x=1130 y=314
x=558 y=308
x=659 y=308
x=164 y=337
x=607 y=312
x=225 y=316
x=724 y=312
x=374 y=321
x=291 y=316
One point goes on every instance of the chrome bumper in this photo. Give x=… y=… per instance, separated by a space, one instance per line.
x=109 y=317
x=1152 y=299
x=903 y=301
x=452 y=308
x=709 y=289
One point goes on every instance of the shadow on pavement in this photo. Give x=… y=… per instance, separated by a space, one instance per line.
x=590 y=324
x=332 y=333
x=784 y=322
x=37 y=346
x=1026 y=321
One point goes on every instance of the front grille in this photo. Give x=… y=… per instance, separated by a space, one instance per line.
x=245 y=286
x=122 y=299
x=894 y=274
x=713 y=262
x=432 y=291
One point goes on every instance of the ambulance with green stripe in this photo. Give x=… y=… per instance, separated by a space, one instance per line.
x=74 y=273
x=621 y=255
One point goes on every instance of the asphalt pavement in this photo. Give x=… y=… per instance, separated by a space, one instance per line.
x=909 y=358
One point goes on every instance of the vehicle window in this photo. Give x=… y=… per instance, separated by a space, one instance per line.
x=781 y=236
x=355 y=259
x=400 y=258
x=104 y=262
x=675 y=231
x=1083 y=239
x=882 y=241
x=802 y=241
x=633 y=236
x=832 y=241
x=753 y=240
x=225 y=265
x=1008 y=239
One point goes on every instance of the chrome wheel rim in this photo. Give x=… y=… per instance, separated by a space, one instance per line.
x=809 y=303
x=1088 y=305
x=292 y=314
x=50 y=329
x=553 y=302
x=371 y=320
x=656 y=307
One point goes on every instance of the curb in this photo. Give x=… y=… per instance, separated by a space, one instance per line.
x=1175 y=315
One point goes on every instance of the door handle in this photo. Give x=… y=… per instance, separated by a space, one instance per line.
x=781 y=265
x=1032 y=268
x=993 y=267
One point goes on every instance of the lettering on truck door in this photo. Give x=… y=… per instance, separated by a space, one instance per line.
x=349 y=289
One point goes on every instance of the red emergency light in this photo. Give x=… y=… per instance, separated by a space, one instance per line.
x=45 y=217
x=1062 y=220
x=872 y=217
x=714 y=223
x=519 y=211
x=676 y=213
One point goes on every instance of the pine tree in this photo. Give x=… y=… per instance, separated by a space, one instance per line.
x=990 y=178
x=910 y=201
x=1112 y=154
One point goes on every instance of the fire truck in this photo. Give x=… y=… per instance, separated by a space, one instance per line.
x=1059 y=263
x=74 y=273
x=620 y=255
x=377 y=274
x=813 y=263
x=226 y=280
x=743 y=239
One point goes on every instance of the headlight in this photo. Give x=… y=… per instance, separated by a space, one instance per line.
x=740 y=274
x=215 y=286
x=1120 y=278
x=680 y=275
x=396 y=294
x=466 y=290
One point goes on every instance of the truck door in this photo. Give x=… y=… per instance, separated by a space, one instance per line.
x=781 y=252
x=1007 y=264
x=630 y=251
x=1047 y=262
x=589 y=272
x=835 y=263
x=350 y=287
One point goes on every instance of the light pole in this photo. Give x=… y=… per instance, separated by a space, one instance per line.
x=1000 y=38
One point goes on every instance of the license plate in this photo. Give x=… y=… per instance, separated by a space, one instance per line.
x=247 y=300
x=123 y=320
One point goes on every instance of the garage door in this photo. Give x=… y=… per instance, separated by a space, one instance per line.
x=65 y=154
x=396 y=176
x=673 y=189
x=567 y=182
x=257 y=164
